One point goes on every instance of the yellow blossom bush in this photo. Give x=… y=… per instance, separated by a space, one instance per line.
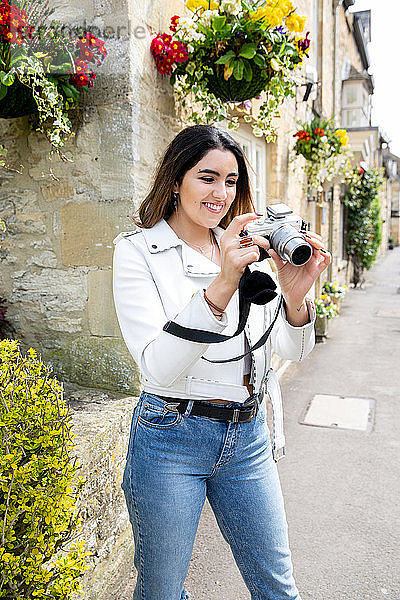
x=37 y=483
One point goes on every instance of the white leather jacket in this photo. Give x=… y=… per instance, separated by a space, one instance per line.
x=157 y=277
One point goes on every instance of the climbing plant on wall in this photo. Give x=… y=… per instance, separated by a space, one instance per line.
x=364 y=223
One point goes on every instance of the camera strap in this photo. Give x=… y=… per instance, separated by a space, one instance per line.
x=254 y=287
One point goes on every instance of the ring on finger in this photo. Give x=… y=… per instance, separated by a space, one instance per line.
x=246 y=241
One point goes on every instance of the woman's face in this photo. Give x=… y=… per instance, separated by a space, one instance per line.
x=208 y=189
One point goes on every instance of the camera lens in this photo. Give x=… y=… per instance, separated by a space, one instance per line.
x=290 y=245
x=301 y=254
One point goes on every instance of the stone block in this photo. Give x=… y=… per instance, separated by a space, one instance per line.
x=87 y=234
x=102 y=317
x=47 y=258
x=103 y=363
x=54 y=295
x=57 y=190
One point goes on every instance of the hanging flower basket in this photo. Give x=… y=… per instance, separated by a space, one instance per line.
x=17 y=102
x=41 y=69
x=325 y=151
x=230 y=51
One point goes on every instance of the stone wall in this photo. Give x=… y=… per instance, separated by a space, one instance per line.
x=61 y=217
x=101 y=423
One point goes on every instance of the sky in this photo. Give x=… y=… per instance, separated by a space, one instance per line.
x=384 y=51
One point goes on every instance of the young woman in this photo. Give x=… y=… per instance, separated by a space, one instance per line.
x=199 y=429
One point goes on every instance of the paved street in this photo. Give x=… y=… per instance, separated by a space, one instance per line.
x=341 y=486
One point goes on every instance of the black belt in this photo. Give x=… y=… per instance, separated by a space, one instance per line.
x=234 y=415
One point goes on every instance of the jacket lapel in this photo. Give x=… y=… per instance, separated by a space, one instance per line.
x=162 y=237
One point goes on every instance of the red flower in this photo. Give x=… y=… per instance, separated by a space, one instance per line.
x=81 y=80
x=164 y=64
x=91 y=42
x=166 y=51
x=181 y=56
x=180 y=52
x=303 y=135
x=157 y=46
x=86 y=54
x=167 y=39
x=13 y=23
x=174 y=23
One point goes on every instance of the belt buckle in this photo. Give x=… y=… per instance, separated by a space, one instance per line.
x=250 y=417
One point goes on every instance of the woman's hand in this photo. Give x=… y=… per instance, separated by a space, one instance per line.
x=234 y=259
x=296 y=282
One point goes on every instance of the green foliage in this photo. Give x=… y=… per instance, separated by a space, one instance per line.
x=53 y=120
x=364 y=224
x=38 y=488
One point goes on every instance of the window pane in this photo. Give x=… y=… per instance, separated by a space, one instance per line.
x=350 y=95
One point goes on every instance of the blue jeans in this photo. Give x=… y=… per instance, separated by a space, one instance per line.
x=174 y=462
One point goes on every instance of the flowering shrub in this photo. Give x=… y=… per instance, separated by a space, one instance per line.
x=364 y=221
x=325 y=307
x=324 y=149
x=333 y=289
x=228 y=52
x=42 y=70
x=37 y=489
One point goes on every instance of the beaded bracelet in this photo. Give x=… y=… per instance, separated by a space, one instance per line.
x=212 y=305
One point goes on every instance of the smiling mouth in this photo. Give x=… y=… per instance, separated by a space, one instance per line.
x=214 y=208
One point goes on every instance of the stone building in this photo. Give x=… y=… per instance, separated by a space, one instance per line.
x=392 y=167
x=61 y=217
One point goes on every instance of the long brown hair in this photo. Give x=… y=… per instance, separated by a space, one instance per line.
x=183 y=153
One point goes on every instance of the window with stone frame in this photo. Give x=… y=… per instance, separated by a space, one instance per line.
x=355 y=104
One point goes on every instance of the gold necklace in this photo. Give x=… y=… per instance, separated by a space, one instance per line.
x=200 y=248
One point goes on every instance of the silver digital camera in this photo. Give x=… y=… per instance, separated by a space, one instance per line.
x=284 y=231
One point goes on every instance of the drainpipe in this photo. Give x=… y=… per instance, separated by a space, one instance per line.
x=335 y=8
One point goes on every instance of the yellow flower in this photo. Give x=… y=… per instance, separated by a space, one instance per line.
x=295 y=23
x=286 y=7
x=193 y=5
x=342 y=135
x=272 y=16
x=258 y=14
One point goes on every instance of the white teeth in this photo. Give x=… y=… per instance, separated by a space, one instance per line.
x=213 y=206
